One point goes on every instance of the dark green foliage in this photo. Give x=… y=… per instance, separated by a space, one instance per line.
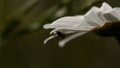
x=21 y=46
x=13 y=24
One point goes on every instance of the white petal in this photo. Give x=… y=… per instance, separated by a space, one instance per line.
x=64 y=41
x=113 y=15
x=46 y=40
x=92 y=18
x=53 y=31
x=46 y=26
x=117 y=12
x=66 y=22
x=104 y=8
x=71 y=30
x=64 y=31
x=84 y=25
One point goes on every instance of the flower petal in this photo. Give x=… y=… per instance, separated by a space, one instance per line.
x=64 y=41
x=66 y=22
x=64 y=31
x=46 y=26
x=92 y=18
x=84 y=25
x=103 y=9
x=113 y=15
x=49 y=38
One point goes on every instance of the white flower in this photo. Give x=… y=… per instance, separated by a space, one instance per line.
x=81 y=24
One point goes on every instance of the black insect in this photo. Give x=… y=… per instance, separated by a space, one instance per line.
x=60 y=35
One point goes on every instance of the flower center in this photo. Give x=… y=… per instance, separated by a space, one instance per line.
x=108 y=29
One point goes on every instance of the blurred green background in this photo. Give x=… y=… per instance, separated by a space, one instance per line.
x=22 y=36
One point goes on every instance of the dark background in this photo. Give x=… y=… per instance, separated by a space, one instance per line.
x=22 y=36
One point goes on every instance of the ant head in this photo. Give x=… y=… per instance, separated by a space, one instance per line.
x=59 y=33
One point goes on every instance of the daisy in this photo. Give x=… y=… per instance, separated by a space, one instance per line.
x=94 y=20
